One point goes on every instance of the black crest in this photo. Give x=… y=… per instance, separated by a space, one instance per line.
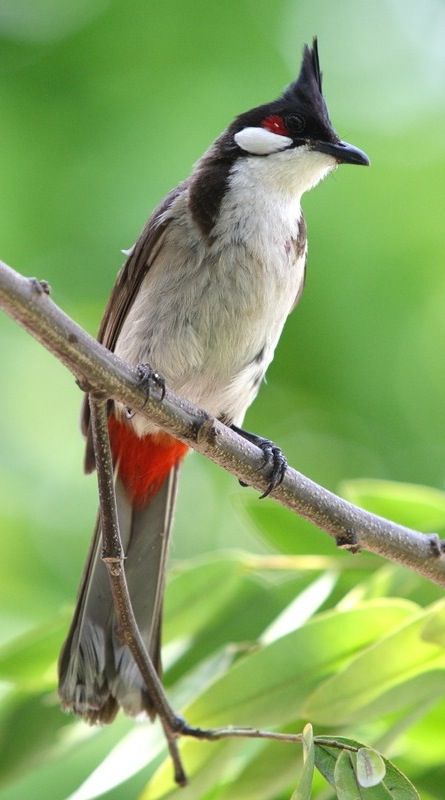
x=306 y=94
x=309 y=79
x=311 y=62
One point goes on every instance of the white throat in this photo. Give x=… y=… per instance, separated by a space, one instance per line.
x=290 y=172
x=264 y=194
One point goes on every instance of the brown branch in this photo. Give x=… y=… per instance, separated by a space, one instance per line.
x=112 y=555
x=26 y=300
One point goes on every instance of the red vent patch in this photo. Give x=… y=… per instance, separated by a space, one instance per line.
x=143 y=464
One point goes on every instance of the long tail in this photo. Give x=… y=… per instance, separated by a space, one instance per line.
x=97 y=674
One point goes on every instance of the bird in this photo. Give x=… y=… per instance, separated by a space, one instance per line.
x=202 y=299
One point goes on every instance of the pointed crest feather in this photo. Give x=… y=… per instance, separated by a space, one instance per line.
x=315 y=62
x=310 y=75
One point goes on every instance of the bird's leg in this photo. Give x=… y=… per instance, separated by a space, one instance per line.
x=148 y=379
x=273 y=458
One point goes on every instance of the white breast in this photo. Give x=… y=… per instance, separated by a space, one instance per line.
x=208 y=316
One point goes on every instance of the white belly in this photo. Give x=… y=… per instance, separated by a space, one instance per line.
x=208 y=321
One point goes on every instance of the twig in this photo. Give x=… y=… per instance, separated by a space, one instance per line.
x=113 y=557
x=27 y=301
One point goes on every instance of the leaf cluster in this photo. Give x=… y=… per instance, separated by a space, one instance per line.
x=269 y=641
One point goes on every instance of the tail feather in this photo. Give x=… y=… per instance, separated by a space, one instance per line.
x=97 y=674
x=145 y=568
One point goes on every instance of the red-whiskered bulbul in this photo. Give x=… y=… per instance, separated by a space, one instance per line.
x=202 y=298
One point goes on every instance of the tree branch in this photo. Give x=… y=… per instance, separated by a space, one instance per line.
x=113 y=557
x=26 y=300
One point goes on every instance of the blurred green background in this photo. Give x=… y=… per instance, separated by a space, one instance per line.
x=105 y=105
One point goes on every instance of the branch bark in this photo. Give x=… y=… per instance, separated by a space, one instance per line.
x=27 y=301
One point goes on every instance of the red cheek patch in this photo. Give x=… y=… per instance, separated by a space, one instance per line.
x=275 y=124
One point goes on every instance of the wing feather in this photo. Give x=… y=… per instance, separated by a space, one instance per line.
x=128 y=282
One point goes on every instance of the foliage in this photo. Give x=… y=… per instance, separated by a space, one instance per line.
x=238 y=650
x=105 y=106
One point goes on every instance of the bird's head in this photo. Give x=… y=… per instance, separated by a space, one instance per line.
x=298 y=125
x=282 y=148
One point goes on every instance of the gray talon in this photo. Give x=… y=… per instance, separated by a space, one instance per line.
x=41 y=287
x=273 y=458
x=148 y=378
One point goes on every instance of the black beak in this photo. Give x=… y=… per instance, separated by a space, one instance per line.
x=343 y=152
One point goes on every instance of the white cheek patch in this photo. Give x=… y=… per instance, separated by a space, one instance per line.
x=261 y=142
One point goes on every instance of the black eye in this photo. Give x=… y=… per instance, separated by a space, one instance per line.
x=295 y=123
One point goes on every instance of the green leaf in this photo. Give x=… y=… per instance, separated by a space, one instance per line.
x=206 y=763
x=30 y=660
x=385 y=665
x=398 y=785
x=198 y=592
x=269 y=769
x=420 y=507
x=395 y=785
x=241 y=617
x=61 y=759
x=392 y=580
x=287 y=532
x=31 y=727
x=304 y=788
x=326 y=758
x=269 y=686
x=370 y=767
x=345 y=781
x=434 y=629
x=201 y=675
x=347 y=785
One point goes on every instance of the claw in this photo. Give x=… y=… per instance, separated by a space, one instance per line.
x=148 y=378
x=40 y=286
x=273 y=459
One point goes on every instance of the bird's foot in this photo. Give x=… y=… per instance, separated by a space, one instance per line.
x=40 y=286
x=274 y=460
x=148 y=380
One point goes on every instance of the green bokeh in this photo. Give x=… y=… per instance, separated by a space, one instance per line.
x=105 y=105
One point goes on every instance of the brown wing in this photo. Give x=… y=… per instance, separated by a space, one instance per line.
x=124 y=292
